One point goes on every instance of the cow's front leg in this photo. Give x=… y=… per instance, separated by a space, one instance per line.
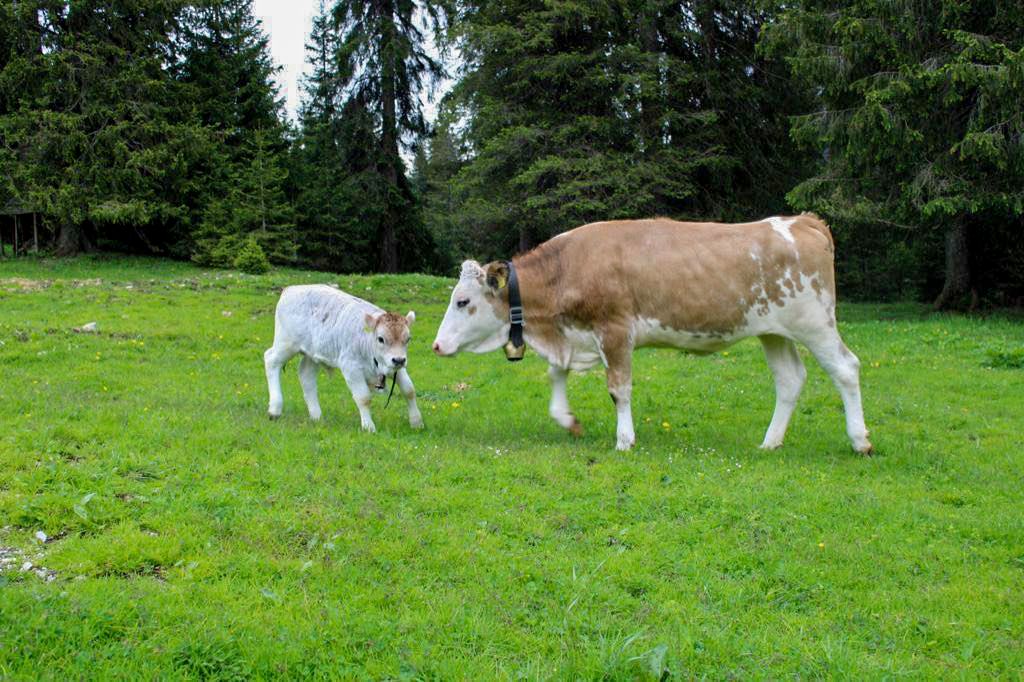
x=618 y=354
x=559 y=408
x=409 y=391
x=362 y=395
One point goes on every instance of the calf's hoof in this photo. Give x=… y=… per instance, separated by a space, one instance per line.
x=771 y=445
x=624 y=442
x=865 y=448
x=273 y=417
x=416 y=423
x=369 y=427
x=576 y=429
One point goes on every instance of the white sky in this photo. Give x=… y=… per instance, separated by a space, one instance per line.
x=288 y=23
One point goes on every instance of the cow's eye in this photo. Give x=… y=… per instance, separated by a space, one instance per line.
x=380 y=339
x=462 y=304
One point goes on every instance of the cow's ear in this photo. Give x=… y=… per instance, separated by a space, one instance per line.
x=410 y=317
x=370 y=320
x=497 y=275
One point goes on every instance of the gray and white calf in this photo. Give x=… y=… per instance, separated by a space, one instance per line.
x=333 y=329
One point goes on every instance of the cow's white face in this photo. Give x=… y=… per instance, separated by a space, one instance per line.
x=390 y=342
x=473 y=320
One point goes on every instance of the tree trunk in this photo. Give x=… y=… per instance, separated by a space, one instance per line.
x=650 y=97
x=71 y=240
x=525 y=243
x=958 y=269
x=389 y=140
x=705 y=16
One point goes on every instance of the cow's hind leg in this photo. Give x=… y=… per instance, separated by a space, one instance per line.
x=844 y=368
x=274 y=359
x=790 y=373
x=559 y=407
x=307 y=377
x=618 y=357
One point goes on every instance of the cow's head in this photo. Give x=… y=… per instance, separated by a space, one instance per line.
x=477 y=316
x=390 y=339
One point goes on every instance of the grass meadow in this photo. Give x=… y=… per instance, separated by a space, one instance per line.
x=187 y=536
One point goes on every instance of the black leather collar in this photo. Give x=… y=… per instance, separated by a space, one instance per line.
x=515 y=314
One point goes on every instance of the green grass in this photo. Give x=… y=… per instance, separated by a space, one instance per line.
x=192 y=537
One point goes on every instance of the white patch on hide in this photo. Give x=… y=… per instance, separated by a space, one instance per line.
x=648 y=331
x=802 y=308
x=781 y=226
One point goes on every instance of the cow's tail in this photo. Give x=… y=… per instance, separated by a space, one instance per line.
x=821 y=226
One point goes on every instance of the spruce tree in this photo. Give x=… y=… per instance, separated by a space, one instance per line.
x=92 y=128
x=335 y=212
x=580 y=111
x=224 y=56
x=254 y=208
x=385 y=66
x=225 y=63
x=919 y=120
x=437 y=162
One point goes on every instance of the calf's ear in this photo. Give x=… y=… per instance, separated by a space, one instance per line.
x=370 y=321
x=497 y=274
x=410 y=317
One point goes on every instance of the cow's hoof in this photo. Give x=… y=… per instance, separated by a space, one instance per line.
x=576 y=429
x=771 y=445
x=314 y=417
x=624 y=443
x=273 y=417
x=418 y=424
x=369 y=428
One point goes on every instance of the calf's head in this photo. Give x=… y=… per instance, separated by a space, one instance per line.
x=390 y=333
x=477 y=315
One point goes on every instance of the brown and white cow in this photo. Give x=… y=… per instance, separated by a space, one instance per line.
x=593 y=294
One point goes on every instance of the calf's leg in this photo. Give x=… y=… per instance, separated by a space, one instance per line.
x=362 y=396
x=790 y=373
x=274 y=359
x=409 y=391
x=559 y=407
x=307 y=377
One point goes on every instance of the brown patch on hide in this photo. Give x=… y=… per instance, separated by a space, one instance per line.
x=700 y=278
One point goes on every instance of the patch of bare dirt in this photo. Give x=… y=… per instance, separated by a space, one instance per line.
x=16 y=284
x=25 y=285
